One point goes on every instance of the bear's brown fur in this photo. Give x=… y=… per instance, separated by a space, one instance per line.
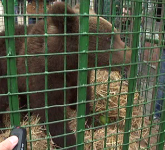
x=54 y=71
x=55 y=65
x=19 y=30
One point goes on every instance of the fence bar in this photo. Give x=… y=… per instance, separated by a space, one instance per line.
x=161 y=138
x=27 y=71
x=46 y=70
x=96 y=59
x=113 y=12
x=107 y=8
x=11 y=62
x=133 y=73
x=99 y=6
x=82 y=75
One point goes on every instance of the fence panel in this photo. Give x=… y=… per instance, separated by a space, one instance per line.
x=83 y=74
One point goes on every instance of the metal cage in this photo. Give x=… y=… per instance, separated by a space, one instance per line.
x=83 y=74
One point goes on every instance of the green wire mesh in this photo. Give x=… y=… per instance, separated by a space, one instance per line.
x=108 y=58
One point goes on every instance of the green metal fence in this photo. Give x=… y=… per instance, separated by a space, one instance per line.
x=83 y=74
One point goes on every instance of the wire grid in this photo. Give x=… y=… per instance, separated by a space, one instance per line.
x=137 y=24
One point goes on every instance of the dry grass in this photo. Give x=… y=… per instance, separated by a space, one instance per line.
x=118 y=97
x=37 y=132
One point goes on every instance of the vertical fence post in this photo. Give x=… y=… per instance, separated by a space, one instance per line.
x=99 y=6
x=11 y=61
x=82 y=75
x=161 y=137
x=107 y=8
x=133 y=73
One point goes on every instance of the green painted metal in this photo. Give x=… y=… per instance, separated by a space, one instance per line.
x=65 y=68
x=161 y=137
x=113 y=11
x=107 y=9
x=119 y=6
x=96 y=58
x=99 y=6
x=46 y=77
x=11 y=63
x=27 y=78
x=140 y=84
x=82 y=75
x=148 y=78
x=133 y=74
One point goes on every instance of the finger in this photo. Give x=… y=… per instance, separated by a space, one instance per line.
x=9 y=143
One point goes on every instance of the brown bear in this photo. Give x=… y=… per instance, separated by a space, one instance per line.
x=46 y=71
x=51 y=84
x=19 y=30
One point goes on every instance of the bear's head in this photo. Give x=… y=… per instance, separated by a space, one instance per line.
x=100 y=36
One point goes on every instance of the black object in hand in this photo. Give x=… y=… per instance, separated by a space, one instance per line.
x=21 y=134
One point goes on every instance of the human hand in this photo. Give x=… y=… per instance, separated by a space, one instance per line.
x=9 y=143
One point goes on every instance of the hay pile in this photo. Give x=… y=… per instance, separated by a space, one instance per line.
x=37 y=132
x=118 y=96
x=116 y=114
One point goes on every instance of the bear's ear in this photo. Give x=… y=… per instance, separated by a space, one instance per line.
x=59 y=9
